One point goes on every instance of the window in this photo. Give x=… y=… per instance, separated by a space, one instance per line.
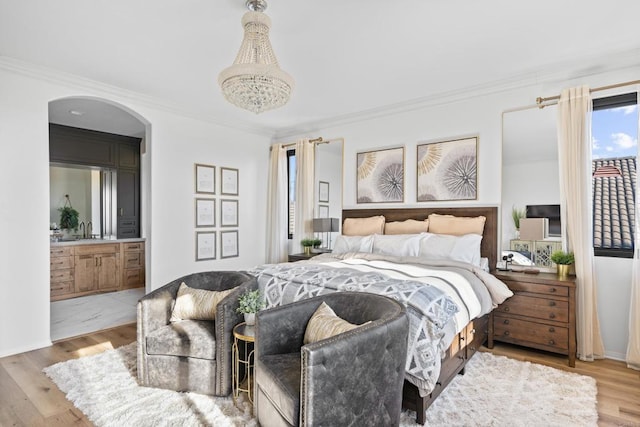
x=614 y=152
x=291 y=189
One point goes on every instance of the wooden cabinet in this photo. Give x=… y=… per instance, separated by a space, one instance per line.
x=98 y=267
x=540 y=314
x=132 y=265
x=128 y=203
x=301 y=257
x=61 y=272
x=86 y=269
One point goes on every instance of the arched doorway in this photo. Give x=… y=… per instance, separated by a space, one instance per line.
x=100 y=279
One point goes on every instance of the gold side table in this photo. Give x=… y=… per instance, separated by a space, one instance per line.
x=243 y=360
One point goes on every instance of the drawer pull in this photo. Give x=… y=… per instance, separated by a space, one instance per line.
x=473 y=331
x=506 y=309
x=506 y=321
x=57 y=289
x=461 y=338
x=506 y=332
x=552 y=342
x=552 y=290
x=552 y=329
x=552 y=316
x=461 y=357
x=59 y=262
x=552 y=303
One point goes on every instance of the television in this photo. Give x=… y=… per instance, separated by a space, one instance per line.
x=547 y=211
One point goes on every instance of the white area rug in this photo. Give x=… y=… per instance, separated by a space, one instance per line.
x=495 y=391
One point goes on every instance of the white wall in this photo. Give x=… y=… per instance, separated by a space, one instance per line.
x=172 y=146
x=481 y=115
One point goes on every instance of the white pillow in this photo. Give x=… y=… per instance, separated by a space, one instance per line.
x=345 y=244
x=457 y=248
x=397 y=244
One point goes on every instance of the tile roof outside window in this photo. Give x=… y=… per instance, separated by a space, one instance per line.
x=613 y=203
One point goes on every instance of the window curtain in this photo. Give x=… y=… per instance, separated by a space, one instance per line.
x=576 y=208
x=633 y=347
x=305 y=170
x=277 y=203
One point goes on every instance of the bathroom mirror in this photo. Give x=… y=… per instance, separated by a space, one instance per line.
x=529 y=176
x=91 y=192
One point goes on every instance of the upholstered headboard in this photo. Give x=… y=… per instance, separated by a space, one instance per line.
x=489 y=246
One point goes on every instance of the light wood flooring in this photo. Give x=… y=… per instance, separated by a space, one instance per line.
x=29 y=398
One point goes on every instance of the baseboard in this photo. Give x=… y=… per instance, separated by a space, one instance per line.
x=24 y=349
x=615 y=355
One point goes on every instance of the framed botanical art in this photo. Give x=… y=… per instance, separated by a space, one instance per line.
x=205 y=245
x=205 y=212
x=380 y=176
x=448 y=170
x=229 y=244
x=323 y=211
x=228 y=213
x=323 y=191
x=205 y=179
x=229 y=179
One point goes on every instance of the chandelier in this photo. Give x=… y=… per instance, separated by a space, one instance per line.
x=255 y=82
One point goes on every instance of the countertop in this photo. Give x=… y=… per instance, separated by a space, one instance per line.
x=96 y=241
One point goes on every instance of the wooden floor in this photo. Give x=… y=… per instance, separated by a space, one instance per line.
x=29 y=398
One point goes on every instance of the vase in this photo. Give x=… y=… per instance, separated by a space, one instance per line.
x=563 y=270
x=250 y=319
x=517 y=234
x=307 y=250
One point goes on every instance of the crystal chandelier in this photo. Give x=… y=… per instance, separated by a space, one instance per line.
x=255 y=82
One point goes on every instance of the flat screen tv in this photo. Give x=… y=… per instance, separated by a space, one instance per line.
x=547 y=211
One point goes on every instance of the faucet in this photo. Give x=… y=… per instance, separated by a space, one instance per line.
x=89 y=230
x=84 y=230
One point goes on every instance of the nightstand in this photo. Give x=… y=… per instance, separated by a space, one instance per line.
x=540 y=314
x=301 y=257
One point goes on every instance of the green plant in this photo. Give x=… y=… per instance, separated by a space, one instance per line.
x=317 y=243
x=517 y=215
x=307 y=242
x=250 y=302
x=562 y=258
x=68 y=218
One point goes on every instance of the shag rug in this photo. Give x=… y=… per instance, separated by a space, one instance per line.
x=494 y=391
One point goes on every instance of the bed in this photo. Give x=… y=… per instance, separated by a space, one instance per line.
x=449 y=316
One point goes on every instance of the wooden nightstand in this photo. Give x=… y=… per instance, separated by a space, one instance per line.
x=301 y=257
x=540 y=314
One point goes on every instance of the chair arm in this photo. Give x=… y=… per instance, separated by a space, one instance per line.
x=364 y=370
x=280 y=330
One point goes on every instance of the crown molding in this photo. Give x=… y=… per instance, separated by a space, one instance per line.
x=548 y=75
x=102 y=89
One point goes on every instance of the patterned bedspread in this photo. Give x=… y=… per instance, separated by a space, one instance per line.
x=433 y=299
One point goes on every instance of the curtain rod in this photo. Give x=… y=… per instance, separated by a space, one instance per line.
x=316 y=141
x=541 y=101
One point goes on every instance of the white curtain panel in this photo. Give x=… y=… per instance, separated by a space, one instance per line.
x=574 y=153
x=305 y=172
x=277 y=206
x=633 y=347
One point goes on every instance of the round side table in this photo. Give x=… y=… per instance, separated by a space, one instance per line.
x=242 y=360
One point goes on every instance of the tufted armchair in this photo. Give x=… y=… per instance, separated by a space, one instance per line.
x=354 y=378
x=190 y=355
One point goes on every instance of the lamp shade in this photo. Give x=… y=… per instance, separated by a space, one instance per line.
x=326 y=225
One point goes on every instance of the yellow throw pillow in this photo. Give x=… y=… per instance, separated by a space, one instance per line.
x=196 y=304
x=456 y=225
x=409 y=226
x=363 y=226
x=325 y=323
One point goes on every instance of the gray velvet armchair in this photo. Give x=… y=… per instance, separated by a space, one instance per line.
x=190 y=355
x=354 y=378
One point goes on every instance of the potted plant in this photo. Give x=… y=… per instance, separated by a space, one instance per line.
x=68 y=218
x=517 y=215
x=563 y=261
x=250 y=303
x=317 y=243
x=307 y=244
